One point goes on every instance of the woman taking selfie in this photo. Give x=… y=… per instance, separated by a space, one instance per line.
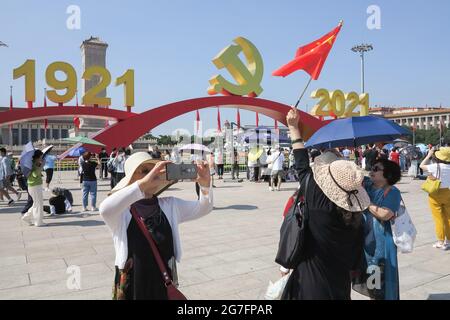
x=138 y=275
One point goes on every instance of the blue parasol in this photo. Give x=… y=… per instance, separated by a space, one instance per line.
x=356 y=131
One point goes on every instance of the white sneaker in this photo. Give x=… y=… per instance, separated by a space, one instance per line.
x=27 y=220
x=271 y=189
x=439 y=245
x=94 y=209
x=85 y=209
x=42 y=224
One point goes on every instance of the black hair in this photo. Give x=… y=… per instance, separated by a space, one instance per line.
x=3 y=150
x=122 y=150
x=37 y=154
x=391 y=171
x=314 y=154
x=127 y=152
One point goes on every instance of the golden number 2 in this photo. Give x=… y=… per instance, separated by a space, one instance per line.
x=70 y=84
x=90 y=97
x=354 y=101
x=324 y=97
x=27 y=69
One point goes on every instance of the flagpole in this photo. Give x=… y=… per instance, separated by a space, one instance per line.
x=303 y=93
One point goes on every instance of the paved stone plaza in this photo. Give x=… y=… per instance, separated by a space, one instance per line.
x=227 y=255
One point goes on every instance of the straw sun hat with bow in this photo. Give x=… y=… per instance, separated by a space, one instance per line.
x=131 y=164
x=341 y=181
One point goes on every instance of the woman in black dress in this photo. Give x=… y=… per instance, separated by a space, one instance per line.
x=333 y=244
x=137 y=273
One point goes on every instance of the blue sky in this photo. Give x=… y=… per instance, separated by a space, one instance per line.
x=170 y=45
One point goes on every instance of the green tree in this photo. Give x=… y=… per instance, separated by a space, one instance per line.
x=166 y=140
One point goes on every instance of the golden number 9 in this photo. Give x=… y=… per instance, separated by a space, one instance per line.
x=90 y=97
x=69 y=84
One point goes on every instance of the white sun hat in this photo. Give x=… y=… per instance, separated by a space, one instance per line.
x=131 y=164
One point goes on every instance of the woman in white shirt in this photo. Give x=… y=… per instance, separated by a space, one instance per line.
x=137 y=273
x=440 y=201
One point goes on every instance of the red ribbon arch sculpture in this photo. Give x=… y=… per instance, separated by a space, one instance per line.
x=131 y=126
x=125 y=132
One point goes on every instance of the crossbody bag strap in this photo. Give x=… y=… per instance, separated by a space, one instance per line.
x=299 y=193
x=153 y=246
x=438 y=173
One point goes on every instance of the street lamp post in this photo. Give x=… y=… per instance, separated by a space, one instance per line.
x=362 y=48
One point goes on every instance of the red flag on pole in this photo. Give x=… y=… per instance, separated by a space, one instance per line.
x=10 y=99
x=197 y=122
x=219 y=127
x=45 y=106
x=76 y=121
x=257 y=119
x=311 y=57
x=10 y=104
x=238 y=119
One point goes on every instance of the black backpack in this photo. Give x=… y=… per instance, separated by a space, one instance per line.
x=291 y=248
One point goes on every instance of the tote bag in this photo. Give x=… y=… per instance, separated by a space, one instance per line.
x=403 y=230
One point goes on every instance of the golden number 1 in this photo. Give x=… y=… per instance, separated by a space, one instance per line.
x=28 y=69
x=364 y=102
x=127 y=79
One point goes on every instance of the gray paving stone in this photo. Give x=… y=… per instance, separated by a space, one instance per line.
x=228 y=254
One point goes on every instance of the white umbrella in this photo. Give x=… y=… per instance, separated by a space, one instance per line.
x=47 y=150
x=26 y=158
x=195 y=146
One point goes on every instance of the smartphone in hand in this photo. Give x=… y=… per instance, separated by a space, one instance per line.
x=182 y=171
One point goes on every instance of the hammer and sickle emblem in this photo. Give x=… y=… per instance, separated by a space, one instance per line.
x=247 y=76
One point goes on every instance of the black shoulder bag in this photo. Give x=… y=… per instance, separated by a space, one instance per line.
x=293 y=230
